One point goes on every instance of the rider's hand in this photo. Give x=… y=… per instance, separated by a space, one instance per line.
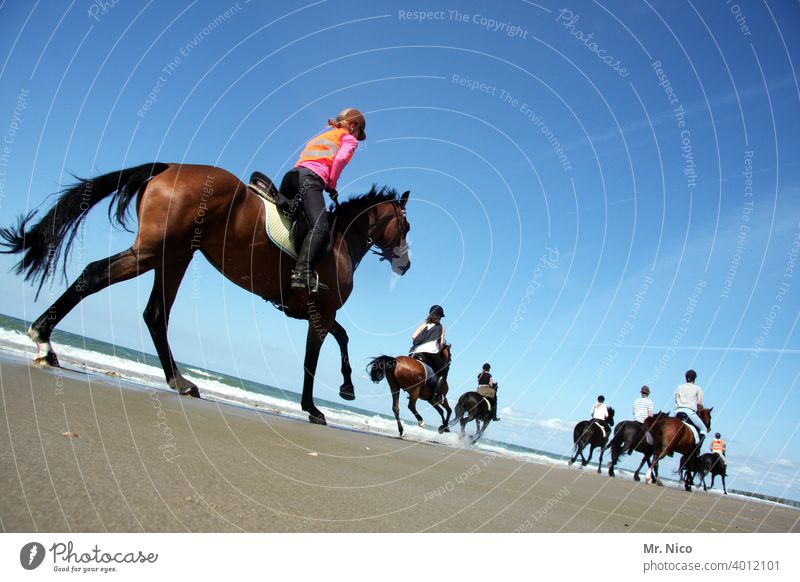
x=333 y=194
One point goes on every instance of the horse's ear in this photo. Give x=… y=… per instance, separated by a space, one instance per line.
x=404 y=198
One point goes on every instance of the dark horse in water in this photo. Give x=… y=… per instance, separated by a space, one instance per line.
x=670 y=436
x=472 y=406
x=703 y=465
x=587 y=432
x=630 y=436
x=185 y=208
x=407 y=373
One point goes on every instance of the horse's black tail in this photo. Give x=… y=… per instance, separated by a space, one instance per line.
x=50 y=239
x=378 y=367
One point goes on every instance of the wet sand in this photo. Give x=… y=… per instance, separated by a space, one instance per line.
x=136 y=459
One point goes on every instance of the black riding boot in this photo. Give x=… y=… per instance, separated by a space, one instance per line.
x=303 y=277
x=437 y=391
x=494 y=410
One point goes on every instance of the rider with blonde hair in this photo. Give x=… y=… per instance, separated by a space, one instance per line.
x=318 y=168
x=427 y=343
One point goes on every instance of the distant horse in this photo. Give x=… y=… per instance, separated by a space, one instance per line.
x=587 y=432
x=407 y=373
x=472 y=406
x=186 y=208
x=629 y=436
x=671 y=435
x=712 y=463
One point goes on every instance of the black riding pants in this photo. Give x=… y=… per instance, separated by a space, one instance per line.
x=436 y=362
x=305 y=183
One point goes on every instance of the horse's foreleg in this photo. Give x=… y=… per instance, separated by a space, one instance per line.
x=346 y=390
x=317 y=332
x=95 y=277
x=446 y=425
x=724 y=488
x=156 y=316
x=641 y=464
x=412 y=406
x=585 y=462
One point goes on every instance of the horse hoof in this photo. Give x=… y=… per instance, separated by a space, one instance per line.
x=636 y=478
x=194 y=392
x=48 y=360
x=569 y=463
x=314 y=419
x=347 y=392
x=421 y=424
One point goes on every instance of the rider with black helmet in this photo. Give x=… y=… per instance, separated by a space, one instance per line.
x=428 y=341
x=487 y=388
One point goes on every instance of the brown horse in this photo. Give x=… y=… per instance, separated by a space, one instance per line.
x=406 y=373
x=185 y=208
x=670 y=436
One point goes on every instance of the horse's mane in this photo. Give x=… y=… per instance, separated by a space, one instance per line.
x=357 y=204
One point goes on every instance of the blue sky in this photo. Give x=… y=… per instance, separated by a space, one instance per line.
x=603 y=194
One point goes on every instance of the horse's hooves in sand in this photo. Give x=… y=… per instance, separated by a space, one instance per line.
x=50 y=360
x=317 y=419
x=347 y=392
x=194 y=392
x=443 y=429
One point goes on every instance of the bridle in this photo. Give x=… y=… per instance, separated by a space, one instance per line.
x=384 y=254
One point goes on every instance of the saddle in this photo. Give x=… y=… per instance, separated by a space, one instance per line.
x=430 y=377
x=684 y=418
x=286 y=221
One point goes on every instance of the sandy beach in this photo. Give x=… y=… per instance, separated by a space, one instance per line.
x=87 y=452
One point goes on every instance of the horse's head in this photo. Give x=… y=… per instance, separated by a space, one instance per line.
x=379 y=218
x=610 y=417
x=447 y=352
x=389 y=234
x=705 y=415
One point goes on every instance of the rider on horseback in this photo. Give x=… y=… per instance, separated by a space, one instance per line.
x=718 y=447
x=487 y=388
x=688 y=399
x=428 y=341
x=600 y=414
x=643 y=409
x=318 y=169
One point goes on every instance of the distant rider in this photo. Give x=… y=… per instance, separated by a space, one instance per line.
x=688 y=399
x=600 y=414
x=643 y=409
x=718 y=446
x=428 y=341
x=487 y=388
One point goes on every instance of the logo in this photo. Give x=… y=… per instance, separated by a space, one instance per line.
x=31 y=555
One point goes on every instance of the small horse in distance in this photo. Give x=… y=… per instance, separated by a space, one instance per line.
x=670 y=436
x=630 y=436
x=472 y=406
x=407 y=373
x=713 y=463
x=587 y=432
x=183 y=209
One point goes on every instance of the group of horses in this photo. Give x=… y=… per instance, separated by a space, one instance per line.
x=668 y=435
x=182 y=209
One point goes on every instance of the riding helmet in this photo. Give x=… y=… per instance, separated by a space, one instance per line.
x=716 y=436
x=436 y=310
x=691 y=376
x=355 y=116
x=601 y=398
x=646 y=390
x=487 y=367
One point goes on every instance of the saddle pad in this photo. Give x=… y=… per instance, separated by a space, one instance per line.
x=488 y=403
x=692 y=428
x=486 y=391
x=430 y=377
x=278 y=228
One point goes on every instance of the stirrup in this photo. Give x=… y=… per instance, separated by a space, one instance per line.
x=309 y=281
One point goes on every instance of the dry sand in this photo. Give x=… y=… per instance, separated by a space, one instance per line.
x=149 y=460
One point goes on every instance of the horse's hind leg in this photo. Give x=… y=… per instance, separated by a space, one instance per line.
x=600 y=462
x=96 y=276
x=346 y=390
x=396 y=406
x=446 y=425
x=443 y=427
x=156 y=316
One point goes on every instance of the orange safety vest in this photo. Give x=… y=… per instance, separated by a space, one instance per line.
x=324 y=147
x=717 y=446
